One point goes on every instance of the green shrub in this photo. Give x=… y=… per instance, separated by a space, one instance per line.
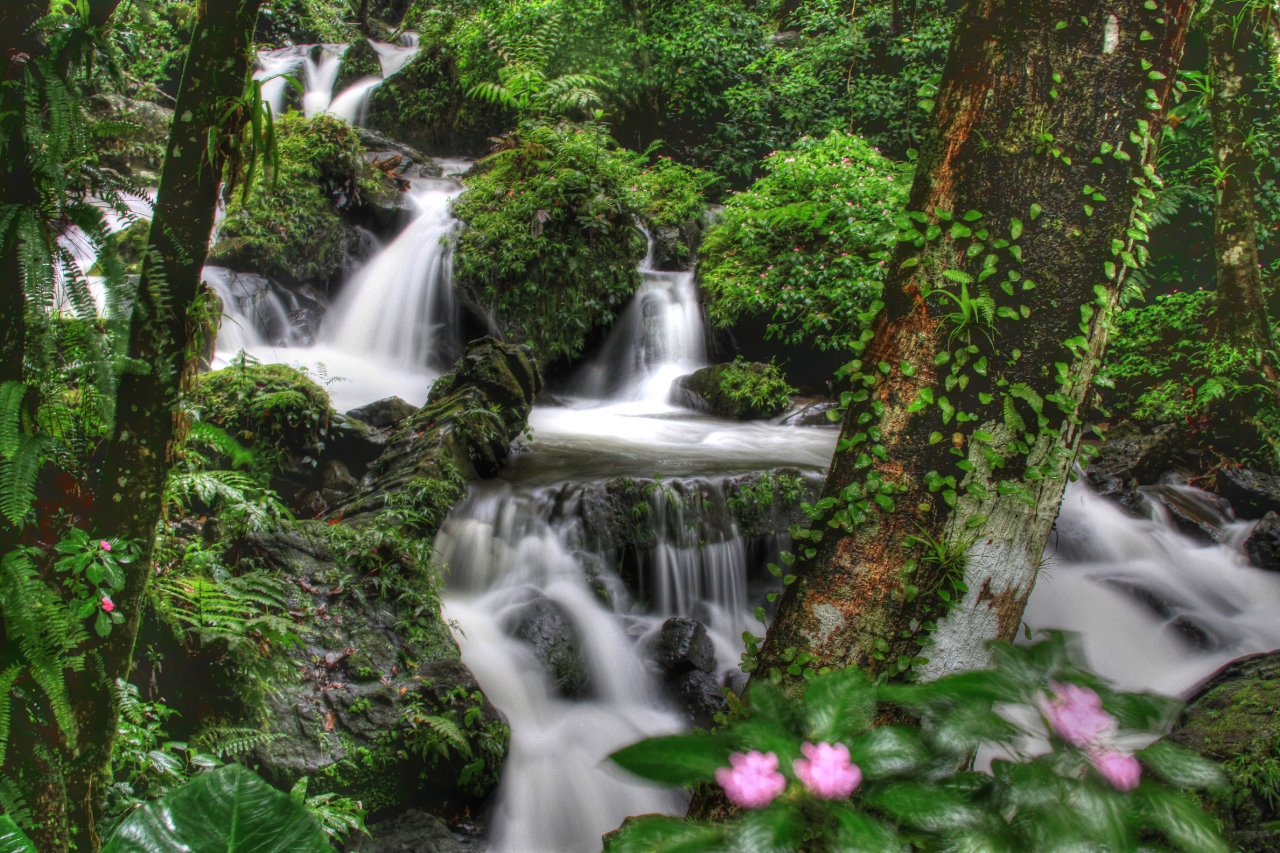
x=806 y=246
x=1165 y=366
x=671 y=193
x=762 y=387
x=291 y=231
x=275 y=410
x=551 y=243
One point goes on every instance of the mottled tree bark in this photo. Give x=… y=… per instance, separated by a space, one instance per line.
x=137 y=463
x=1041 y=159
x=1233 y=67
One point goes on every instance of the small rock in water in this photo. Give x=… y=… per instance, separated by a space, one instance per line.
x=1263 y=544
x=684 y=645
x=815 y=414
x=700 y=697
x=383 y=413
x=543 y=624
x=414 y=831
x=1252 y=494
x=1194 y=513
x=1125 y=463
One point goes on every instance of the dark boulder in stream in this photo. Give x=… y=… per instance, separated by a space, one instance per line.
x=1123 y=464
x=1252 y=494
x=383 y=413
x=688 y=657
x=1263 y=544
x=1231 y=719
x=545 y=626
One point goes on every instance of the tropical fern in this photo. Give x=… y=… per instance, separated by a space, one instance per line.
x=229 y=741
x=45 y=632
x=234 y=610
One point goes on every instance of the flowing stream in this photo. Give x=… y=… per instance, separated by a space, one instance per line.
x=320 y=65
x=1156 y=609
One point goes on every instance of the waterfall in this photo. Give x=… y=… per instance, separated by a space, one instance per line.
x=272 y=66
x=393 y=57
x=352 y=103
x=319 y=74
x=659 y=337
x=398 y=309
x=254 y=313
x=1157 y=610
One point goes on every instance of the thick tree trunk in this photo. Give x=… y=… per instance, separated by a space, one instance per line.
x=952 y=464
x=137 y=462
x=1233 y=67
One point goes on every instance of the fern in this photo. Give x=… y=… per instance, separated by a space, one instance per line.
x=15 y=805
x=228 y=741
x=45 y=632
x=232 y=610
x=7 y=678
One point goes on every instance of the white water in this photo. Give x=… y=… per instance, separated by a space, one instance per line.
x=319 y=75
x=390 y=330
x=320 y=66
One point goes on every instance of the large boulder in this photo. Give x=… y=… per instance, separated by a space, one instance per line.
x=1231 y=718
x=383 y=413
x=545 y=626
x=1123 y=464
x=1252 y=494
x=414 y=831
x=740 y=390
x=464 y=432
x=683 y=645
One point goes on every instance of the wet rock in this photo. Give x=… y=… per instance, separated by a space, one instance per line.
x=338 y=482
x=378 y=142
x=675 y=245
x=683 y=645
x=1231 y=719
x=1263 y=544
x=383 y=413
x=700 y=697
x=413 y=831
x=1252 y=494
x=353 y=443
x=814 y=414
x=704 y=391
x=464 y=432
x=1194 y=513
x=1125 y=463
x=544 y=625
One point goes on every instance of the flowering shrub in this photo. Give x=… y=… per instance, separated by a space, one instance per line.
x=92 y=569
x=1078 y=768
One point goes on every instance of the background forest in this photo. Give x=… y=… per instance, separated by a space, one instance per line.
x=220 y=595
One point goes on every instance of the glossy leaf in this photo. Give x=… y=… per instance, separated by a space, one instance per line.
x=228 y=810
x=659 y=834
x=841 y=705
x=12 y=838
x=675 y=760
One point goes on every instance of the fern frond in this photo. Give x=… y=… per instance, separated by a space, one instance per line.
x=7 y=678
x=227 y=741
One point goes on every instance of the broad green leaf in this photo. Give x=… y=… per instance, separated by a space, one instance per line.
x=1185 y=824
x=1182 y=768
x=841 y=704
x=675 y=760
x=779 y=827
x=228 y=810
x=887 y=751
x=659 y=834
x=13 y=839
x=857 y=833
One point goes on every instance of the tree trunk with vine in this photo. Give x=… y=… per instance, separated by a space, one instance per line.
x=1233 y=68
x=956 y=447
x=138 y=458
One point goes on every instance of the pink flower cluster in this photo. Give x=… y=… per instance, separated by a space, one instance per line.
x=752 y=780
x=1076 y=715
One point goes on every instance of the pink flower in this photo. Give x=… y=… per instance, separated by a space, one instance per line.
x=753 y=780
x=1120 y=769
x=826 y=771
x=107 y=604
x=1076 y=715
x=104 y=545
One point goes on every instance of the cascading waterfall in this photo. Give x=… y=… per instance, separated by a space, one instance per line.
x=399 y=307
x=273 y=66
x=321 y=65
x=320 y=73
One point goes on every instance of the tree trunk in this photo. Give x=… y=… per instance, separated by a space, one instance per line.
x=1233 y=68
x=136 y=467
x=954 y=455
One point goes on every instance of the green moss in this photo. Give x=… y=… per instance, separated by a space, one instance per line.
x=754 y=501
x=806 y=246
x=290 y=230
x=550 y=244
x=761 y=387
x=277 y=411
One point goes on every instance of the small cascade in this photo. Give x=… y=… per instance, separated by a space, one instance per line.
x=254 y=313
x=616 y=562
x=658 y=338
x=319 y=75
x=1157 y=610
x=352 y=103
x=393 y=57
x=273 y=66
x=398 y=309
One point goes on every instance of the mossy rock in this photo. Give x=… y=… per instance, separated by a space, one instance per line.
x=425 y=105
x=270 y=408
x=740 y=390
x=1234 y=719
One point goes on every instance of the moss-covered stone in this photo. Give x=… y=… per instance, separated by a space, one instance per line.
x=740 y=390
x=425 y=104
x=1234 y=719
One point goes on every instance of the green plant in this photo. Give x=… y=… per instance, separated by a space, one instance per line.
x=886 y=787
x=806 y=246
x=337 y=816
x=223 y=811
x=523 y=84
x=761 y=387
x=12 y=838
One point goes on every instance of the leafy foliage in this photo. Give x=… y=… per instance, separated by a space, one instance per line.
x=1043 y=791
x=225 y=810
x=761 y=387
x=550 y=234
x=806 y=246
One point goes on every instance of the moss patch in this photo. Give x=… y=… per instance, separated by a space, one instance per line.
x=741 y=390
